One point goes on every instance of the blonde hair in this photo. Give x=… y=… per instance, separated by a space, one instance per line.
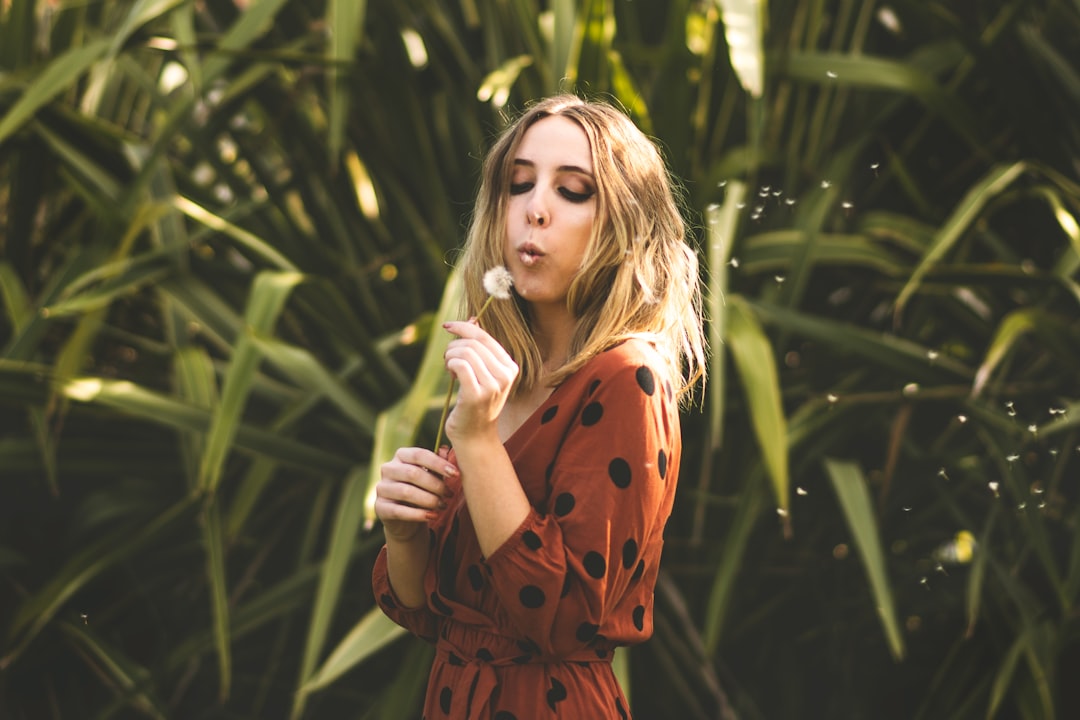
x=638 y=278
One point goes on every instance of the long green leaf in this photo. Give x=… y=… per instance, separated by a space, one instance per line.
x=744 y=27
x=346 y=17
x=132 y=678
x=342 y=538
x=39 y=608
x=371 y=634
x=57 y=77
x=752 y=354
x=398 y=426
x=963 y=215
x=850 y=486
x=214 y=545
x=136 y=401
x=307 y=372
x=267 y=298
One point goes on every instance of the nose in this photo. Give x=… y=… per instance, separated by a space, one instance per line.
x=536 y=212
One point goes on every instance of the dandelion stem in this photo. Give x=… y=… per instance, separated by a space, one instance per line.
x=450 y=390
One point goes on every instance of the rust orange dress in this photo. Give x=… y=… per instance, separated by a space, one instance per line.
x=529 y=632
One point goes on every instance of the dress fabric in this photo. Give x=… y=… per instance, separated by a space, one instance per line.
x=529 y=632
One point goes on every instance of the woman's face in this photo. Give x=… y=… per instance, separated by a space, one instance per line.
x=551 y=210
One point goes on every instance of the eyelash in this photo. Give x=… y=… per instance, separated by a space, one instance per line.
x=574 y=197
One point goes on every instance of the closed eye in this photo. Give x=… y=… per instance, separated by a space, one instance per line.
x=518 y=188
x=576 y=197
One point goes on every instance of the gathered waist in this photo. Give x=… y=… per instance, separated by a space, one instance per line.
x=461 y=644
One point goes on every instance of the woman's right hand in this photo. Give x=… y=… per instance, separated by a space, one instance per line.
x=412 y=490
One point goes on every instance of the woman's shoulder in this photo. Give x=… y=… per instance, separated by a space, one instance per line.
x=635 y=360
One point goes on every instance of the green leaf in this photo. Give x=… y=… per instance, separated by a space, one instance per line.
x=399 y=425
x=35 y=612
x=752 y=354
x=131 y=679
x=267 y=298
x=346 y=17
x=307 y=372
x=57 y=77
x=963 y=215
x=17 y=304
x=721 y=223
x=850 y=486
x=214 y=545
x=140 y=402
x=367 y=637
x=342 y=538
x=744 y=27
x=735 y=549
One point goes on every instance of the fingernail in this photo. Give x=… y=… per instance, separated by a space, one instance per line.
x=451 y=470
x=432 y=515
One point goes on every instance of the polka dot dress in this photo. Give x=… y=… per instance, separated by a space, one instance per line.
x=529 y=631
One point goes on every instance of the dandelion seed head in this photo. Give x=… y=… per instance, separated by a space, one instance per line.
x=497 y=282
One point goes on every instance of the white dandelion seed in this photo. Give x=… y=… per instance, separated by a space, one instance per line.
x=497 y=282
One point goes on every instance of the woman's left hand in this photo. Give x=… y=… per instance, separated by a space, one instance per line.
x=485 y=373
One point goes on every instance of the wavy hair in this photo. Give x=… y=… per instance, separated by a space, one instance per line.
x=638 y=278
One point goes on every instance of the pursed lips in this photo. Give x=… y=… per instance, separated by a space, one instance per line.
x=529 y=254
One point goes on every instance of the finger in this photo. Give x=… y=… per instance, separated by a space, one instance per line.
x=427 y=460
x=389 y=512
x=470 y=331
x=403 y=493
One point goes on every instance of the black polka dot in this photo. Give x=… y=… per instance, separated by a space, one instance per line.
x=531 y=596
x=476 y=578
x=439 y=605
x=629 y=553
x=485 y=655
x=661 y=464
x=619 y=472
x=529 y=645
x=638 y=571
x=639 y=617
x=592 y=414
x=564 y=504
x=595 y=564
x=388 y=602
x=505 y=715
x=556 y=694
x=586 y=631
x=531 y=540
x=549 y=414
x=445 y=696
x=593 y=385
x=646 y=380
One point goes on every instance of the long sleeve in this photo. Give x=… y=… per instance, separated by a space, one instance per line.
x=420 y=621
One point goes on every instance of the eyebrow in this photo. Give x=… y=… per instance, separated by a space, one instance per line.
x=561 y=168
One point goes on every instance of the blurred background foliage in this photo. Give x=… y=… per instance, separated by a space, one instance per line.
x=227 y=228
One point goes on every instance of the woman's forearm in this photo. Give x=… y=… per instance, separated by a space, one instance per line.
x=405 y=564
x=497 y=503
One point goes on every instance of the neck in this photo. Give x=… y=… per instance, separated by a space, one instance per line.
x=553 y=331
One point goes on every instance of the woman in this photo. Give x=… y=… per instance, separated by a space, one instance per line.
x=530 y=551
